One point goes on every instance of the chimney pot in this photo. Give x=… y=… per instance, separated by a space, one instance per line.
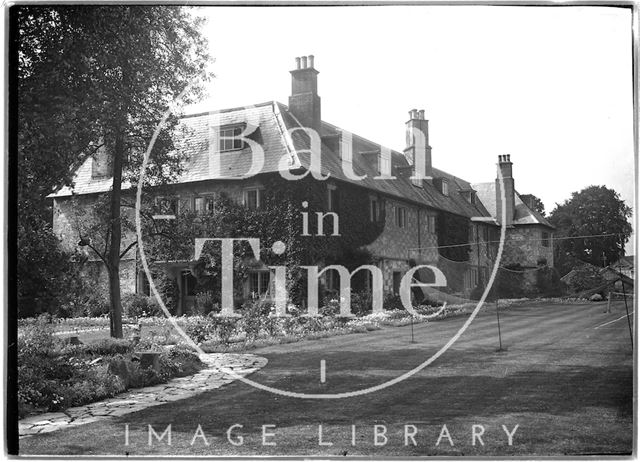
x=304 y=102
x=505 y=180
x=418 y=151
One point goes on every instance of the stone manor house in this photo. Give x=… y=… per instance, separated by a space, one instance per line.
x=407 y=205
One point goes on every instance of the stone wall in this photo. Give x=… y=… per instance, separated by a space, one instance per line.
x=67 y=222
x=413 y=241
x=524 y=245
x=392 y=249
x=96 y=272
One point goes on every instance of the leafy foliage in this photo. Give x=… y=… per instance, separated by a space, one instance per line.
x=548 y=283
x=595 y=211
x=453 y=230
x=538 y=205
x=279 y=220
x=585 y=277
x=47 y=276
x=138 y=305
x=97 y=80
x=54 y=375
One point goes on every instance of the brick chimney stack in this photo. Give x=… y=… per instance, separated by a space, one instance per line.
x=418 y=151
x=505 y=168
x=304 y=101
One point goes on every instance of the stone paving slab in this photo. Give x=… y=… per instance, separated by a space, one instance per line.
x=209 y=378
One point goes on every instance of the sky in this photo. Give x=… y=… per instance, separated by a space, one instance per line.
x=552 y=86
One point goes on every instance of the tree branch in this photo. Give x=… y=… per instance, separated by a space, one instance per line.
x=98 y=254
x=129 y=247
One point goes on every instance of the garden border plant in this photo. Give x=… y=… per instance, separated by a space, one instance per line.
x=54 y=374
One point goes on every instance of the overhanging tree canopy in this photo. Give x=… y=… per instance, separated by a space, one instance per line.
x=104 y=76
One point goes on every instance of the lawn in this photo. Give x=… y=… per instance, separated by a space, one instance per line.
x=565 y=378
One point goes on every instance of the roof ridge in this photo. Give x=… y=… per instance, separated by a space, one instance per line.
x=222 y=111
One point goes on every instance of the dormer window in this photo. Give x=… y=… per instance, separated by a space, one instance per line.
x=445 y=187
x=230 y=138
x=469 y=195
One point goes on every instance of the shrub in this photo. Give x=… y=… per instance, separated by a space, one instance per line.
x=139 y=305
x=109 y=346
x=53 y=375
x=398 y=314
x=36 y=339
x=476 y=293
x=97 y=304
x=361 y=303
x=509 y=282
x=548 y=282
x=585 y=277
x=205 y=329
x=200 y=330
x=392 y=302
x=330 y=307
x=205 y=304
x=254 y=318
x=225 y=329
x=179 y=362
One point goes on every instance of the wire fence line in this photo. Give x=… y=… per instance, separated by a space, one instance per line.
x=563 y=238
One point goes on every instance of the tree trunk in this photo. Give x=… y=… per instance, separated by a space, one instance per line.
x=116 y=238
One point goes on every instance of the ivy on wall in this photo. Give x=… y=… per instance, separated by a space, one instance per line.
x=453 y=230
x=280 y=219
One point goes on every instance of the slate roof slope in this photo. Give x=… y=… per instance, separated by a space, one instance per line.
x=195 y=143
x=367 y=164
x=271 y=121
x=523 y=214
x=84 y=184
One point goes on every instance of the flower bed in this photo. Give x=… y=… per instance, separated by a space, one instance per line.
x=54 y=374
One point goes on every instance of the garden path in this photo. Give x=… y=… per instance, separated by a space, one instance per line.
x=209 y=378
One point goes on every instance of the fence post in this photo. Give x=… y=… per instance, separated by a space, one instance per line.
x=412 y=341
x=499 y=333
x=626 y=307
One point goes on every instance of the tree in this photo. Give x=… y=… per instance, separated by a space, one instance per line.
x=534 y=202
x=53 y=128
x=126 y=64
x=595 y=223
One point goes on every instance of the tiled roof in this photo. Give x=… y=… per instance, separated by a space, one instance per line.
x=523 y=214
x=195 y=144
x=272 y=120
x=366 y=164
